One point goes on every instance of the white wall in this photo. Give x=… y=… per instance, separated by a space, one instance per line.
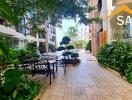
x=105 y=12
x=7 y=31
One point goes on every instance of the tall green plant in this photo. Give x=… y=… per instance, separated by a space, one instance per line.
x=6 y=11
x=89 y=46
x=4 y=52
x=32 y=49
x=118 y=56
x=14 y=86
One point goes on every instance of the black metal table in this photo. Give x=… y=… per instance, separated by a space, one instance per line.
x=48 y=61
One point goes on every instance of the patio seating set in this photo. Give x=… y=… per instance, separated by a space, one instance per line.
x=45 y=64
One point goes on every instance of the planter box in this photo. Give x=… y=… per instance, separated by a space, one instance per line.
x=72 y=61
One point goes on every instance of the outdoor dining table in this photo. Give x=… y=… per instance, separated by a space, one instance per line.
x=31 y=62
x=48 y=59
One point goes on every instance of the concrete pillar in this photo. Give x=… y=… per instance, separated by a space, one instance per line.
x=46 y=37
x=37 y=36
x=109 y=28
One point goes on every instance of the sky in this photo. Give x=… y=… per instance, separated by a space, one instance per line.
x=60 y=32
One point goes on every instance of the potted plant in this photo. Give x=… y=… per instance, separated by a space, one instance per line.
x=69 y=56
x=75 y=59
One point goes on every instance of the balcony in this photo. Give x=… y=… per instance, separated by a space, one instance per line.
x=7 y=31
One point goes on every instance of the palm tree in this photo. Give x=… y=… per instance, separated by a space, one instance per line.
x=72 y=32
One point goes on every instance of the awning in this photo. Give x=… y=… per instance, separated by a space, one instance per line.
x=121 y=2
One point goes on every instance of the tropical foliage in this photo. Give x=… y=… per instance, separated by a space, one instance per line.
x=79 y=43
x=117 y=56
x=31 y=47
x=13 y=86
x=38 y=11
x=72 y=32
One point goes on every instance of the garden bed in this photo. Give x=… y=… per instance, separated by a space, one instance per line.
x=118 y=55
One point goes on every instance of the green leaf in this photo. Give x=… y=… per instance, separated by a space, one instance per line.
x=14 y=94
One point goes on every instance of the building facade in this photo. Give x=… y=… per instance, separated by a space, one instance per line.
x=20 y=39
x=107 y=30
x=93 y=27
x=51 y=38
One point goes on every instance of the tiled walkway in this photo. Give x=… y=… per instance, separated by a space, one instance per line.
x=87 y=81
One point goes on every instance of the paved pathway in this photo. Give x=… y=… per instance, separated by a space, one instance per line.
x=87 y=81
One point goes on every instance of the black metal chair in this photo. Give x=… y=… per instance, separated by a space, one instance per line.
x=36 y=67
x=44 y=68
x=60 y=63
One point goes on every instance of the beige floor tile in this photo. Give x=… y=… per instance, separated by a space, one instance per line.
x=59 y=98
x=68 y=91
x=48 y=97
x=113 y=97
x=95 y=97
x=126 y=97
x=75 y=97
x=78 y=91
x=83 y=97
x=86 y=81
x=67 y=97
x=91 y=91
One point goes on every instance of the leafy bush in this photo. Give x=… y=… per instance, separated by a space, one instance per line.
x=13 y=86
x=101 y=56
x=65 y=40
x=66 y=53
x=69 y=47
x=129 y=72
x=13 y=57
x=79 y=43
x=31 y=48
x=22 y=54
x=118 y=56
x=74 y=55
x=4 y=51
x=60 y=48
x=88 y=46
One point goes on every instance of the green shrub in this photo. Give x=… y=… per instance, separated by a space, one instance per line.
x=13 y=86
x=4 y=51
x=66 y=53
x=118 y=56
x=129 y=73
x=65 y=40
x=74 y=55
x=60 y=48
x=31 y=48
x=70 y=47
x=22 y=54
x=101 y=56
x=88 y=46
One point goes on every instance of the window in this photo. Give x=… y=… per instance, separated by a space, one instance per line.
x=130 y=35
x=127 y=31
